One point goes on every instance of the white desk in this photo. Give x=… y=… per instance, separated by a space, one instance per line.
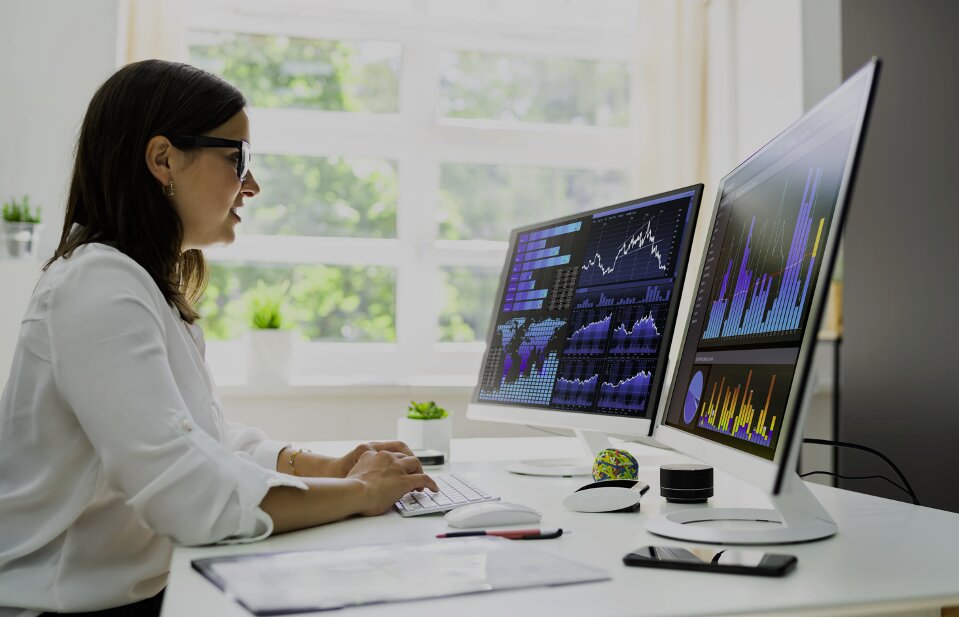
x=888 y=557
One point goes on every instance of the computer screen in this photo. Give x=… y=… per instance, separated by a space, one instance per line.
x=742 y=373
x=582 y=325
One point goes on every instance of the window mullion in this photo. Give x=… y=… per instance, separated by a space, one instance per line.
x=417 y=301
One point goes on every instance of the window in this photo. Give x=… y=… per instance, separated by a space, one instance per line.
x=396 y=144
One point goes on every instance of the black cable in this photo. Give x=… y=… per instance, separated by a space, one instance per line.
x=877 y=477
x=907 y=488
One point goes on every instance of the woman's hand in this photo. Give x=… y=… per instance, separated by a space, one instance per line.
x=386 y=476
x=375 y=476
x=340 y=467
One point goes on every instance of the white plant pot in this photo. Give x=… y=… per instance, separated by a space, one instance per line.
x=20 y=239
x=269 y=355
x=425 y=434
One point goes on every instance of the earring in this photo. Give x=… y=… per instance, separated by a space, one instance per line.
x=171 y=193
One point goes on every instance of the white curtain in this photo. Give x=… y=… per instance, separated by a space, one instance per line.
x=671 y=102
x=154 y=29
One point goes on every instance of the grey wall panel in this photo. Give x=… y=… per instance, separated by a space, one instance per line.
x=899 y=364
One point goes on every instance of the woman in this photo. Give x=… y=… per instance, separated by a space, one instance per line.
x=112 y=442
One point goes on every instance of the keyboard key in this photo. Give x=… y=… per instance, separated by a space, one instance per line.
x=454 y=491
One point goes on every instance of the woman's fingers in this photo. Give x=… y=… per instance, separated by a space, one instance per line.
x=421 y=481
x=391 y=446
x=410 y=463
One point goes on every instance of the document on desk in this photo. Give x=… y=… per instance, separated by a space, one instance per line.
x=322 y=579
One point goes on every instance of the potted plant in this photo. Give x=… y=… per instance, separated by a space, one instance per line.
x=426 y=426
x=21 y=229
x=270 y=338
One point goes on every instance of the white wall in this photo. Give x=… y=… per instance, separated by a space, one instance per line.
x=53 y=56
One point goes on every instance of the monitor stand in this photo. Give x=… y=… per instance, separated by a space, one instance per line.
x=591 y=441
x=800 y=518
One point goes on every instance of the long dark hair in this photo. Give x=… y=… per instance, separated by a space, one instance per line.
x=114 y=197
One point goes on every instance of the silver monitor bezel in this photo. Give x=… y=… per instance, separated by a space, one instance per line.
x=570 y=419
x=769 y=475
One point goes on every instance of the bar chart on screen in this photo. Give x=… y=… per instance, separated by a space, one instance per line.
x=743 y=402
x=526 y=368
x=767 y=272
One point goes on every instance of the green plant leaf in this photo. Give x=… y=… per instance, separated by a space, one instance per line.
x=267 y=305
x=425 y=411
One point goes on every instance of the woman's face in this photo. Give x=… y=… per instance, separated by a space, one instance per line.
x=207 y=192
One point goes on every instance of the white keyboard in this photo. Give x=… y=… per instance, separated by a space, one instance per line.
x=454 y=491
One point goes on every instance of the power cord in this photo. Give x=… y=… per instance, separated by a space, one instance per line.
x=904 y=487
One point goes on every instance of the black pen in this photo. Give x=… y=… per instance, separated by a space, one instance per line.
x=512 y=534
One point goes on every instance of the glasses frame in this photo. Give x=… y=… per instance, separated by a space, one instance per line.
x=202 y=141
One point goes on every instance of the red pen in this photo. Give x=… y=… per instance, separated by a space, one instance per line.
x=512 y=534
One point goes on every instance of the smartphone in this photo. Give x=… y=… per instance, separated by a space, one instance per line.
x=731 y=561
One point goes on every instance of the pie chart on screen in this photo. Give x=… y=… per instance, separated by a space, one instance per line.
x=693 y=395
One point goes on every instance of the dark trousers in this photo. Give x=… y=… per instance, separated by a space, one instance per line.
x=144 y=608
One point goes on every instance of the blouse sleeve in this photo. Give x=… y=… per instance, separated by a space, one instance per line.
x=111 y=367
x=252 y=442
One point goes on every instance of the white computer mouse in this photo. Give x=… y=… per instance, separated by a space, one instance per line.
x=492 y=514
x=607 y=496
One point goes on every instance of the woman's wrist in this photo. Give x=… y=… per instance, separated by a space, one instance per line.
x=303 y=463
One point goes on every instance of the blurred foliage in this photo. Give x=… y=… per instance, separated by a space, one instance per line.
x=515 y=88
x=315 y=196
x=280 y=71
x=19 y=211
x=488 y=201
x=267 y=305
x=468 y=297
x=425 y=411
x=328 y=303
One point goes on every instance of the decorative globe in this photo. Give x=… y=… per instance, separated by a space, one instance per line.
x=613 y=464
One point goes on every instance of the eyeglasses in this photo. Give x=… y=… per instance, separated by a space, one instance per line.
x=201 y=141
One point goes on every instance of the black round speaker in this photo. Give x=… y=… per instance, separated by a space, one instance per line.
x=689 y=483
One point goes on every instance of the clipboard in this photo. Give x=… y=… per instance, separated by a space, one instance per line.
x=283 y=583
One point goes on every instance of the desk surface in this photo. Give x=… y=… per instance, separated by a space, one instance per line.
x=888 y=556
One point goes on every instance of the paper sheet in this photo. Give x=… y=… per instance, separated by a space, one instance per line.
x=289 y=582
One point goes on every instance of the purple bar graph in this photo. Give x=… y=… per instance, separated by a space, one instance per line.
x=747 y=303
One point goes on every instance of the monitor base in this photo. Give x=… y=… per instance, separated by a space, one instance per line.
x=800 y=518
x=591 y=441
x=562 y=467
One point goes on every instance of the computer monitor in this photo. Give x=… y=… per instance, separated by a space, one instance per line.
x=580 y=335
x=743 y=381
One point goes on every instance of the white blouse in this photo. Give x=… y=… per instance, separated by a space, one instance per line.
x=113 y=446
